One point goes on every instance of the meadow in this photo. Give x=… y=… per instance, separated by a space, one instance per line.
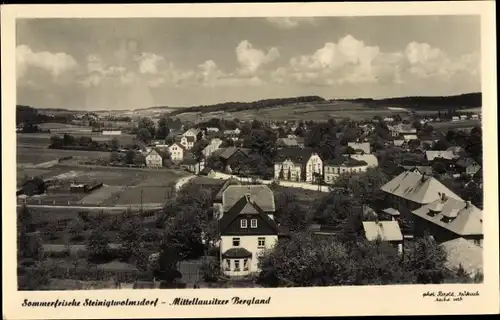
x=43 y=139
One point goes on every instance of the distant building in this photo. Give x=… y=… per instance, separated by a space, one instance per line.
x=334 y=168
x=389 y=119
x=363 y=147
x=213 y=129
x=455 y=118
x=370 y=159
x=176 y=151
x=468 y=166
x=297 y=164
x=194 y=133
x=402 y=129
x=187 y=142
x=409 y=137
x=154 y=159
x=207 y=172
x=474 y=117
x=463 y=117
x=387 y=231
x=430 y=155
x=213 y=145
x=111 y=132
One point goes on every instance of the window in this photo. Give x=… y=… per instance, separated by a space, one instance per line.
x=261 y=242
x=236 y=265
x=243 y=223
x=477 y=242
x=236 y=242
x=227 y=265
x=245 y=265
x=253 y=223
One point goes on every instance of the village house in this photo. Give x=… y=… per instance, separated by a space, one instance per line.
x=370 y=159
x=191 y=164
x=449 y=218
x=467 y=166
x=154 y=158
x=411 y=190
x=217 y=202
x=361 y=147
x=398 y=142
x=232 y=133
x=402 y=129
x=207 y=172
x=409 y=137
x=232 y=157
x=186 y=141
x=334 y=168
x=455 y=118
x=176 y=151
x=194 y=133
x=247 y=228
x=430 y=155
x=387 y=231
x=212 y=129
x=213 y=145
x=474 y=117
x=289 y=142
x=297 y=164
x=463 y=117
x=389 y=119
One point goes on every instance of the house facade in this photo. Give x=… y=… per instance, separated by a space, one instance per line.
x=193 y=133
x=334 y=168
x=246 y=229
x=468 y=166
x=297 y=164
x=211 y=147
x=187 y=142
x=176 y=152
x=154 y=159
x=387 y=231
x=314 y=168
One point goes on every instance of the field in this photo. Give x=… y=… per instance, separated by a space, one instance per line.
x=456 y=125
x=43 y=139
x=33 y=156
x=304 y=111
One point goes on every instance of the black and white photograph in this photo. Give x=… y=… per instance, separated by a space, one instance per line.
x=249 y=152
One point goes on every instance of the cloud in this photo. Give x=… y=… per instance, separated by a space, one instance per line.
x=290 y=22
x=210 y=75
x=149 y=63
x=351 y=61
x=251 y=59
x=56 y=64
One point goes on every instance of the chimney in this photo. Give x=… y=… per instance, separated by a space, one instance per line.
x=467 y=204
x=443 y=197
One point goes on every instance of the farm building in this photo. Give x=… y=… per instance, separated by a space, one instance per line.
x=207 y=172
x=111 y=132
x=154 y=158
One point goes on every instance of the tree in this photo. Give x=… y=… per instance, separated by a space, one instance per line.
x=115 y=144
x=144 y=135
x=33 y=278
x=129 y=157
x=425 y=259
x=304 y=261
x=163 y=129
x=439 y=167
x=139 y=160
x=210 y=269
x=114 y=157
x=336 y=207
x=364 y=186
x=98 y=244
x=441 y=144
x=69 y=140
x=148 y=124
x=289 y=213
x=56 y=142
x=129 y=236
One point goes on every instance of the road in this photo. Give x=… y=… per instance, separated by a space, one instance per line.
x=288 y=184
x=182 y=181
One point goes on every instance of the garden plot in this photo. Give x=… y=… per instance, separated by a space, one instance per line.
x=101 y=195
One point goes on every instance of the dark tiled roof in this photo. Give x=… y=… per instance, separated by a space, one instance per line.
x=238 y=207
x=206 y=170
x=346 y=162
x=299 y=155
x=237 y=253
x=227 y=153
x=190 y=138
x=259 y=193
x=162 y=153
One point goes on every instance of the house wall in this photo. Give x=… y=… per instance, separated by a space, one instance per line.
x=250 y=243
x=313 y=165
x=153 y=160
x=214 y=145
x=291 y=171
x=176 y=153
x=333 y=172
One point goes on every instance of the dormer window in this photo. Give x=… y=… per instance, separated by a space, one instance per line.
x=243 y=223
x=253 y=223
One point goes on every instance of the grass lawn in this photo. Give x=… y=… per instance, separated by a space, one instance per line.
x=303 y=196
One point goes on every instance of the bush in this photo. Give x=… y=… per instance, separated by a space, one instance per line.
x=210 y=270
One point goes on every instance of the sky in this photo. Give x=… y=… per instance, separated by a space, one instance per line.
x=132 y=63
